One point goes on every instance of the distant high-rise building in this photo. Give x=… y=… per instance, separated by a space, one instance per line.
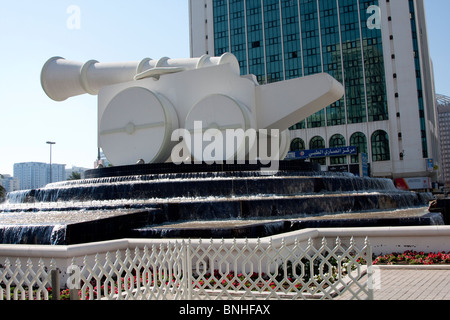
x=443 y=107
x=33 y=175
x=377 y=49
x=9 y=183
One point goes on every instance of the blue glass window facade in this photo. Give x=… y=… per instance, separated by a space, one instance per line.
x=237 y=30
x=331 y=52
x=284 y=39
x=419 y=80
x=352 y=62
x=291 y=39
x=221 y=27
x=375 y=82
x=255 y=42
x=273 y=42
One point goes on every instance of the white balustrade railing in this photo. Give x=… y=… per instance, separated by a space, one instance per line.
x=202 y=270
x=17 y=279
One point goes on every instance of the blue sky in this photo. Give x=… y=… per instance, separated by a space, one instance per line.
x=33 y=31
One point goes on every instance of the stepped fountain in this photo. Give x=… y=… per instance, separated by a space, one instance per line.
x=198 y=152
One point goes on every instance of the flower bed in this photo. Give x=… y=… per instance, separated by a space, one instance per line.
x=413 y=258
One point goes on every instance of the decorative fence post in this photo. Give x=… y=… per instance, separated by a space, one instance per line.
x=187 y=270
x=56 y=287
x=371 y=277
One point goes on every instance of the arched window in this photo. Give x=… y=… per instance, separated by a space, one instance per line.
x=358 y=140
x=318 y=143
x=297 y=145
x=337 y=141
x=380 y=146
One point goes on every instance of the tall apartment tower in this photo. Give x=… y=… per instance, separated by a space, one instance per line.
x=443 y=107
x=9 y=183
x=34 y=175
x=378 y=49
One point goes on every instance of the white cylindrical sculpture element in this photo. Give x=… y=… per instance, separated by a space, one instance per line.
x=62 y=79
x=141 y=122
x=224 y=121
x=166 y=65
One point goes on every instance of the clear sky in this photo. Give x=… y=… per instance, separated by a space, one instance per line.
x=116 y=30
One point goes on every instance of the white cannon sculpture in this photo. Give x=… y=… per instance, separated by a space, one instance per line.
x=142 y=104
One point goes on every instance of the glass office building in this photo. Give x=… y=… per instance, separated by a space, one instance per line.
x=361 y=43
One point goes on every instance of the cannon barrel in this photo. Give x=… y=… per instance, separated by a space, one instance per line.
x=62 y=79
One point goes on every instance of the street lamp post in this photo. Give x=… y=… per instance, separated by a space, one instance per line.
x=51 y=144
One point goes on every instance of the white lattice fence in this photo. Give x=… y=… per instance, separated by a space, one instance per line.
x=205 y=270
x=154 y=273
x=264 y=271
x=25 y=282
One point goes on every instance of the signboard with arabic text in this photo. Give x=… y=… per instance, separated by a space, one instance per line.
x=321 y=153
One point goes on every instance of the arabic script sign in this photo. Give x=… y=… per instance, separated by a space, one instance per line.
x=321 y=153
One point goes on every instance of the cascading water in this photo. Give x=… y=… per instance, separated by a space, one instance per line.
x=145 y=205
x=26 y=234
x=181 y=185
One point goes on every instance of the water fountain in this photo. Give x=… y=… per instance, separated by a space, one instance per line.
x=221 y=175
